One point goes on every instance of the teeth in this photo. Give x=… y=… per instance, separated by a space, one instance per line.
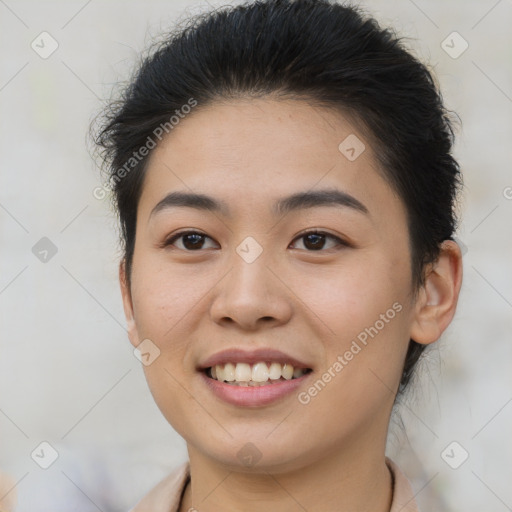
x=260 y=372
x=287 y=371
x=243 y=374
x=229 y=372
x=275 y=371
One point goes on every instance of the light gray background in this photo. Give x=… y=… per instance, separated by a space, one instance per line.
x=68 y=375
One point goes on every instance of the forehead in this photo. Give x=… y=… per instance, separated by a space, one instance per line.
x=252 y=151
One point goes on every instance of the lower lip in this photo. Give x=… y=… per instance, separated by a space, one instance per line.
x=253 y=396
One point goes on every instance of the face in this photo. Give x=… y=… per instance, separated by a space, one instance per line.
x=254 y=276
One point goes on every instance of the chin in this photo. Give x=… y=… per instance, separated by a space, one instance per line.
x=256 y=456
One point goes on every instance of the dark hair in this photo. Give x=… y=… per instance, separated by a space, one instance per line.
x=322 y=52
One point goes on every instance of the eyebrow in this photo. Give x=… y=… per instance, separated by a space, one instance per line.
x=284 y=205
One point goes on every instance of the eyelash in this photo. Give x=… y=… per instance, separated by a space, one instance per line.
x=341 y=243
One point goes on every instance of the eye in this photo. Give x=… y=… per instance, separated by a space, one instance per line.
x=315 y=240
x=192 y=240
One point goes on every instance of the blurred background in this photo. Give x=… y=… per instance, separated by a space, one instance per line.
x=79 y=429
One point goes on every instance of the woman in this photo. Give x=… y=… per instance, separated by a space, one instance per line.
x=283 y=176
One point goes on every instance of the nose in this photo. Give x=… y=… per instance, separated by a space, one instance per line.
x=251 y=296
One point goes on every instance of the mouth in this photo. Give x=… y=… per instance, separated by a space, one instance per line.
x=253 y=378
x=262 y=373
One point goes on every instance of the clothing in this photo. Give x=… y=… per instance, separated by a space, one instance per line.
x=166 y=496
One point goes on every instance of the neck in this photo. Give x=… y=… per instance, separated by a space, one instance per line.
x=351 y=478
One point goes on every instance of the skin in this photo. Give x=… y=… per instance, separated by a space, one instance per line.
x=329 y=454
x=8 y=492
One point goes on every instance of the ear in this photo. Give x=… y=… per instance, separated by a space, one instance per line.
x=133 y=334
x=437 y=299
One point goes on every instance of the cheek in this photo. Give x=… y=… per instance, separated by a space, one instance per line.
x=365 y=311
x=169 y=390
x=352 y=295
x=164 y=296
x=363 y=361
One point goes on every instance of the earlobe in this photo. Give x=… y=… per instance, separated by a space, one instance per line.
x=128 y=305
x=437 y=300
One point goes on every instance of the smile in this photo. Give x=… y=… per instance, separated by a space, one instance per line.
x=258 y=374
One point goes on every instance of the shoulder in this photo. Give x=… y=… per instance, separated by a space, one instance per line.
x=166 y=495
x=403 y=496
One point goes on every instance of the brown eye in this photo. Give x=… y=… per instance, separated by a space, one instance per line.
x=191 y=240
x=315 y=240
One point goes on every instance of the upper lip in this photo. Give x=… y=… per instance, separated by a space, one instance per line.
x=235 y=355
